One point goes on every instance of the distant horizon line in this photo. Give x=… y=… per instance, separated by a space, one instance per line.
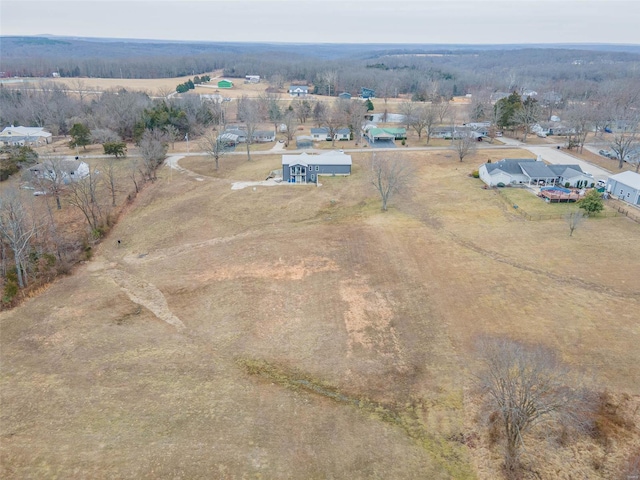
x=161 y=40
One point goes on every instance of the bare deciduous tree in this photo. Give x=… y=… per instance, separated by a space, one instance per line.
x=355 y=112
x=574 y=219
x=464 y=145
x=289 y=121
x=104 y=135
x=442 y=109
x=83 y=196
x=153 y=149
x=320 y=111
x=421 y=119
x=52 y=177
x=172 y=134
x=134 y=167
x=110 y=179
x=333 y=118
x=17 y=228
x=303 y=109
x=389 y=175
x=407 y=109
x=579 y=118
x=249 y=114
x=330 y=78
x=527 y=116
x=625 y=141
x=215 y=147
x=526 y=385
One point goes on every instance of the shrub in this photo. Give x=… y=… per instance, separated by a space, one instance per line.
x=567 y=184
x=475 y=174
x=10 y=287
x=592 y=202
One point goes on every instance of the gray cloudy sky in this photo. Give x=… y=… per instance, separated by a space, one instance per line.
x=330 y=21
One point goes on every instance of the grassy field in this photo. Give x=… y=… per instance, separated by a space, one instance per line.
x=299 y=332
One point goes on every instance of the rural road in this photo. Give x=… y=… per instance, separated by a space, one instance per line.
x=549 y=153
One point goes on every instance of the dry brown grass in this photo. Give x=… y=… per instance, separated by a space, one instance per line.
x=317 y=284
x=153 y=86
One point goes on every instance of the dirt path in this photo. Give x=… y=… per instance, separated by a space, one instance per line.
x=142 y=293
x=172 y=163
x=172 y=252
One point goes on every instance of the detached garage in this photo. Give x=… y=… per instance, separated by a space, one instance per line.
x=625 y=186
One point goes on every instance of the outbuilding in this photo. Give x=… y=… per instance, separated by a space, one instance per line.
x=625 y=186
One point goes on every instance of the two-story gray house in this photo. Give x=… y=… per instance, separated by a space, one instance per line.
x=306 y=168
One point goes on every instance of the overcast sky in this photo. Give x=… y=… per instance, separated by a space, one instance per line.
x=330 y=21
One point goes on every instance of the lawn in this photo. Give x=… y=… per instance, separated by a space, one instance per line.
x=300 y=332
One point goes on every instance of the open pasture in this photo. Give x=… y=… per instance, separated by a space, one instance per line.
x=299 y=332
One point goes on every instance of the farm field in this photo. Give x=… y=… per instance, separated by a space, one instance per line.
x=300 y=332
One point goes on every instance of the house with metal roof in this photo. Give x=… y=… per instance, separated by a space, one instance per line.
x=306 y=168
x=233 y=136
x=224 y=83
x=625 y=186
x=25 y=136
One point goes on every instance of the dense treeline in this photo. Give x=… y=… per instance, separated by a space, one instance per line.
x=413 y=70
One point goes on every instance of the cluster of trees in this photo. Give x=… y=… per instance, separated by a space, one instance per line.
x=610 y=107
x=573 y=73
x=14 y=158
x=32 y=243
x=117 y=115
x=191 y=84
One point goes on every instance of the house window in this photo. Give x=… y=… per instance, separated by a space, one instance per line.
x=317 y=168
x=621 y=192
